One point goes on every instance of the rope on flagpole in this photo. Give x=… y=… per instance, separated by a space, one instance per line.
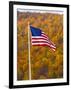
x=29 y=52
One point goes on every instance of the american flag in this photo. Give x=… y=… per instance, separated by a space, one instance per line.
x=39 y=38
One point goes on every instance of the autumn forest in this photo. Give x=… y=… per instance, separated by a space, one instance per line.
x=45 y=63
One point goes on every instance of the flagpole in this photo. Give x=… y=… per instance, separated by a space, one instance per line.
x=29 y=52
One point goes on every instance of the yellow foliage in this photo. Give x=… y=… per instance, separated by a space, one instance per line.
x=45 y=63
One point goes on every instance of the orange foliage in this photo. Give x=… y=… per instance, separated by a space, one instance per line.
x=45 y=63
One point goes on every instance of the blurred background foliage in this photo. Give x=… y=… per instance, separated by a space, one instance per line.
x=45 y=63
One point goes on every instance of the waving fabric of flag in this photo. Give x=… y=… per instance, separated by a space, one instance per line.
x=39 y=38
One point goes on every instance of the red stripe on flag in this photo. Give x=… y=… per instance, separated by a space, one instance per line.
x=39 y=38
x=41 y=42
x=44 y=36
x=43 y=45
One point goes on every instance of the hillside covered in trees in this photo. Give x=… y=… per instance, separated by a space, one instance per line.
x=45 y=63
